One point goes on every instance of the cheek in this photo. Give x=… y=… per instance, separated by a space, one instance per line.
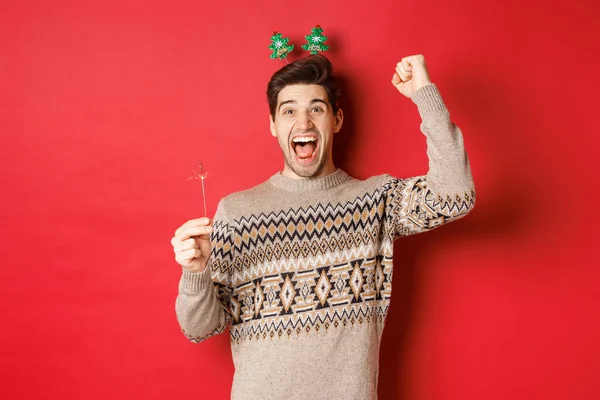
x=327 y=127
x=284 y=128
x=281 y=133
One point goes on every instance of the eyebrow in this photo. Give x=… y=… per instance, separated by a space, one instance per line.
x=313 y=101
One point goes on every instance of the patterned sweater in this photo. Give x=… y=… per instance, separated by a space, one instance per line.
x=301 y=269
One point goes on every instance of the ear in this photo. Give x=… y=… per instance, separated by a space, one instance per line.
x=338 y=121
x=272 y=126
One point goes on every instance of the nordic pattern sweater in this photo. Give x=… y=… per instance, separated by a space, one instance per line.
x=301 y=269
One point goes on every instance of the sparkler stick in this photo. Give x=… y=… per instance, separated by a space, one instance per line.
x=201 y=176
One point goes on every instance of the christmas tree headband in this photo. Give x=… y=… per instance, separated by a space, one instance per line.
x=315 y=43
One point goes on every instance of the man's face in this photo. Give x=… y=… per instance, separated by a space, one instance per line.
x=304 y=125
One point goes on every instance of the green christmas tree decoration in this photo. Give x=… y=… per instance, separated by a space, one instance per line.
x=316 y=41
x=279 y=46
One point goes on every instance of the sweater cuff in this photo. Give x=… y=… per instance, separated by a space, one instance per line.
x=428 y=100
x=196 y=281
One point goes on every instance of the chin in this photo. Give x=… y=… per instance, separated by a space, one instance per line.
x=312 y=171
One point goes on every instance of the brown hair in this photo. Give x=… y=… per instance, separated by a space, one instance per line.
x=314 y=69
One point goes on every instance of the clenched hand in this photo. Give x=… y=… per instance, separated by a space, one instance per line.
x=411 y=75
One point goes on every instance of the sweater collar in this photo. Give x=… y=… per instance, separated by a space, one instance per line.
x=302 y=185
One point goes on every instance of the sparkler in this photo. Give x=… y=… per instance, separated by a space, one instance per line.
x=201 y=176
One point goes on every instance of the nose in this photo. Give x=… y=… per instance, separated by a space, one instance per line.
x=303 y=121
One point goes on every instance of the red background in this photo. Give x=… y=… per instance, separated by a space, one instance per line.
x=106 y=107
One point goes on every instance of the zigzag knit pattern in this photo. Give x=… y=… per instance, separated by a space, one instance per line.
x=315 y=268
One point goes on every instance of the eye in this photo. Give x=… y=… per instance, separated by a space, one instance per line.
x=288 y=112
x=317 y=109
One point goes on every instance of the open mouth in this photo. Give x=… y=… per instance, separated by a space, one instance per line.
x=305 y=147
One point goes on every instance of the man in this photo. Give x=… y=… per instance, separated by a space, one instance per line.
x=300 y=266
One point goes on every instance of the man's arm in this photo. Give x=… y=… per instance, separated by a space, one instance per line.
x=204 y=289
x=447 y=192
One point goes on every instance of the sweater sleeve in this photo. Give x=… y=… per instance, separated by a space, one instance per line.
x=447 y=192
x=202 y=305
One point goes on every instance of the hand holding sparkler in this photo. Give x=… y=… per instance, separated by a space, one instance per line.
x=191 y=244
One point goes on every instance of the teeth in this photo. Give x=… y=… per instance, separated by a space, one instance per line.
x=305 y=139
